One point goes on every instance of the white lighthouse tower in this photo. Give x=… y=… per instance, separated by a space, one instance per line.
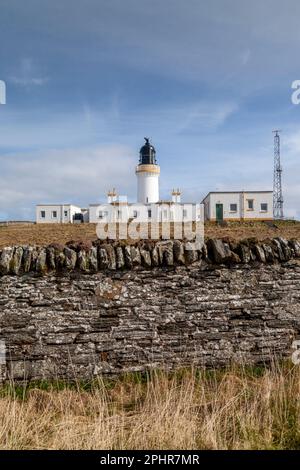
x=147 y=173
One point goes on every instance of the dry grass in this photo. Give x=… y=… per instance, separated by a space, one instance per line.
x=44 y=234
x=232 y=409
x=259 y=230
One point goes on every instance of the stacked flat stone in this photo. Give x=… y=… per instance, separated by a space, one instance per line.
x=91 y=257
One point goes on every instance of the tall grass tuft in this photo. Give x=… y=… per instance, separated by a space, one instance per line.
x=236 y=408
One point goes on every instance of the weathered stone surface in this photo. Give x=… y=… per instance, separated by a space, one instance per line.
x=295 y=247
x=230 y=256
x=190 y=255
x=5 y=260
x=50 y=250
x=285 y=248
x=93 y=259
x=270 y=258
x=217 y=249
x=16 y=261
x=108 y=322
x=135 y=256
x=86 y=257
x=155 y=256
x=204 y=253
x=244 y=253
x=111 y=256
x=70 y=258
x=27 y=258
x=41 y=265
x=103 y=261
x=220 y=252
x=178 y=250
x=145 y=257
x=82 y=261
x=260 y=254
x=120 y=261
x=278 y=251
x=59 y=256
x=127 y=257
x=165 y=253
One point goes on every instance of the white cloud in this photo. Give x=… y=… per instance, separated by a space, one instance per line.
x=79 y=176
x=29 y=81
x=206 y=115
x=27 y=74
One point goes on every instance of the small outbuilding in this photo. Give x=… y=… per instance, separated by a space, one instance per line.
x=238 y=205
x=57 y=213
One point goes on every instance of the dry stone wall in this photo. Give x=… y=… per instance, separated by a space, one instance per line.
x=86 y=309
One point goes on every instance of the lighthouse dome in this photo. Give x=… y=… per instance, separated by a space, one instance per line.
x=147 y=154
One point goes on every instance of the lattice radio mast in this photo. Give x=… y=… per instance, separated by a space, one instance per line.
x=277 y=183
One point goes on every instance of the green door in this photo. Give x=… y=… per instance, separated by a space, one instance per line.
x=219 y=212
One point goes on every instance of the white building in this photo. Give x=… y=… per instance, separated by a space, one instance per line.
x=162 y=211
x=238 y=205
x=218 y=206
x=58 y=213
x=149 y=206
x=147 y=173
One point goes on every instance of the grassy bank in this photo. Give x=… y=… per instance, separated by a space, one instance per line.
x=44 y=234
x=237 y=408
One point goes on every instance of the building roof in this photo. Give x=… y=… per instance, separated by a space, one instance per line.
x=58 y=204
x=236 y=192
x=148 y=204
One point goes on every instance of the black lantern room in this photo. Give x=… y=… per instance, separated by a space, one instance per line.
x=147 y=154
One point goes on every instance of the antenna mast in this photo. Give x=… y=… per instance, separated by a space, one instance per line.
x=277 y=183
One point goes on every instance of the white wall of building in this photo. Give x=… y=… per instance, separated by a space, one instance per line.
x=147 y=187
x=56 y=213
x=159 y=212
x=238 y=205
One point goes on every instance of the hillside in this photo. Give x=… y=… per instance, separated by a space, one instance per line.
x=32 y=234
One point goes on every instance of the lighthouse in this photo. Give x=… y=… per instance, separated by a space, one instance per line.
x=147 y=173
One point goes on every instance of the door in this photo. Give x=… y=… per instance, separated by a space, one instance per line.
x=219 y=212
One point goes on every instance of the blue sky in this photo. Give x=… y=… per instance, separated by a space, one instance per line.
x=88 y=79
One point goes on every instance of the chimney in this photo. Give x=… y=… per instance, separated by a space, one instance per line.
x=176 y=195
x=111 y=196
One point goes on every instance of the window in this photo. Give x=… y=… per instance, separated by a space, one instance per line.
x=233 y=207
x=102 y=214
x=250 y=204
x=66 y=213
x=43 y=214
x=149 y=213
x=135 y=214
x=54 y=214
x=184 y=213
x=264 y=207
x=119 y=214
